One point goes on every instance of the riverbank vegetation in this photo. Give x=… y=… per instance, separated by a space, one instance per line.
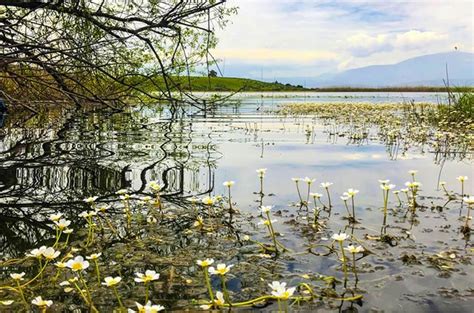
x=235 y=84
x=447 y=129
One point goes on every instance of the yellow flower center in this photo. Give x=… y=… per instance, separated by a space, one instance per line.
x=77 y=266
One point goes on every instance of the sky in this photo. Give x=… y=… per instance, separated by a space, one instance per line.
x=278 y=39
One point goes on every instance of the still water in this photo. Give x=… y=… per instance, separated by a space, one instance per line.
x=51 y=162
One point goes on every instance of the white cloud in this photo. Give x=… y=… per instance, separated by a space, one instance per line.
x=276 y=55
x=325 y=35
x=362 y=45
x=415 y=39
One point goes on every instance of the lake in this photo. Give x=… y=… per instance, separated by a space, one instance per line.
x=51 y=162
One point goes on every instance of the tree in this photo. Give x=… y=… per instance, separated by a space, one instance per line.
x=103 y=51
x=212 y=73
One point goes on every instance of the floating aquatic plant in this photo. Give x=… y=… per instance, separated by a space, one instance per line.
x=143 y=243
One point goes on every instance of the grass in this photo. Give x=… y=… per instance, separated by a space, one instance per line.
x=234 y=84
x=231 y=84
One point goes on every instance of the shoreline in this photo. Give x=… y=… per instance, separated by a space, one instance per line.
x=348 y=90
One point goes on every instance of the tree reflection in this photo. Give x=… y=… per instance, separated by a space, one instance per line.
x=52 y=161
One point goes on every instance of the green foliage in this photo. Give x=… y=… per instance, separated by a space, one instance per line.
x=459 y=107
x=200 y=83
x=100 y=51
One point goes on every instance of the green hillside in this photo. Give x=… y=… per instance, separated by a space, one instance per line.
x=233 y=84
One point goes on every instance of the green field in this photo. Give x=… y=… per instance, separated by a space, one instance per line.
x=197 y=83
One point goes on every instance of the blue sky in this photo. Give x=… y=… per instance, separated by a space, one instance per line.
x=274 y=39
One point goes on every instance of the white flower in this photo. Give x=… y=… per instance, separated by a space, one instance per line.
x=344 y=198
x=208 y=200
x=469 y=200
x=36 y=253
x=102 y=208
x=442 y=183
x=275 y=285
x=412 y=185
x=6 y=302
x=90 y=199
x=340 y=237
x=221 y=269
x=265 y=209
x=326 y=185
x=199 y=222
x=264 y=256
x=55 y=217
x=60 y=265
x=148 y=308
x=228 y=183
x=38 y=301
x=351 y=192
x=246 y=238
x=111 y=281
x=309 y=180
x=261 y=172
x=64 y=283
x=316 y=195
x=384 y=181
x=205 y=263
x=354 y=249
x=148 y=276
x=62 y=223
x=266 y=222
x=68 y=231
x=279 y=290
x=87 y=214
x=462 y=178
x=50 y=253
x=296 y=179
x=94 y=256
x=155 y=186
x=193 y=200
x=77 y=264
x=387 y=187
x=17 y=276
x=412 y=172
x=219 y=301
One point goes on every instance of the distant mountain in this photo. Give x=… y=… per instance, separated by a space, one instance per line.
x=426 y=70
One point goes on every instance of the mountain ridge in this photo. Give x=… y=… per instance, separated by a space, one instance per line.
x=426 y=70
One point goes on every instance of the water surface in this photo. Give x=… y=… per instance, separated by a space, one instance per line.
x=51 y=162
